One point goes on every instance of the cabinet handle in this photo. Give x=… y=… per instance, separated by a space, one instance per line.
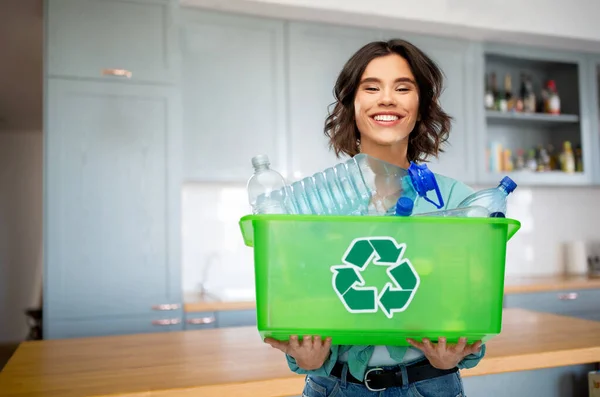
x=168 y=321
x=568 y=297
x=117 y=72
x=202 y=320
x=166 y=306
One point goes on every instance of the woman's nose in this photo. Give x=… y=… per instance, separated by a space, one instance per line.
x=387 y=97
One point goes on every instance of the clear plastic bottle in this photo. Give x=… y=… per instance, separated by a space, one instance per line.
x=493 y=199
x=474 y=211
x=362 y=185
x=265 y=188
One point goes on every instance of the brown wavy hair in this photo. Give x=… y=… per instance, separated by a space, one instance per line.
x=432 y=127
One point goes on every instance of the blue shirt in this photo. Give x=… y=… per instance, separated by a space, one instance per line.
x=360 y=357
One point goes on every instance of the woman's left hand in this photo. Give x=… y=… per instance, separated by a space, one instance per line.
x=446 y=356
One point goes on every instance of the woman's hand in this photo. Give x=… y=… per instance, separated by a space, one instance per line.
x=310 y=354
x=443 y=356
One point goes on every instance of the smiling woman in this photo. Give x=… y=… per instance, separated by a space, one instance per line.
x=387 y=106
x=386 y=91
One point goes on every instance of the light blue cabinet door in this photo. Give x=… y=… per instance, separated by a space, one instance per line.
x=90 y=327
x=316 y=55
x=101 y=38
x=233 y=94
x=577 y=303
x=236 y=318
x=457 y=60
x=111 y=201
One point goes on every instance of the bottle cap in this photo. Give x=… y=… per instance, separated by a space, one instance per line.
x=423 y=181
x=497 y=215
x=404 y=206
x=508 y=184
x=260 y=159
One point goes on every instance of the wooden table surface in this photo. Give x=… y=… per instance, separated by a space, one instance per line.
x=512 y=285
x=235 y=362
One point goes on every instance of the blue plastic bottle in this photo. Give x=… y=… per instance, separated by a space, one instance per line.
x=362 y=185
x=493 y=199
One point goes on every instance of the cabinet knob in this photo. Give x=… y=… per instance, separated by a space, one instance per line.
x=117 y=72
x=167 y=321
x=568 y=296
x=166 y=306
x=202 y=320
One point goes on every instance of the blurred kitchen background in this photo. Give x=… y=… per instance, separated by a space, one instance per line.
x=142 y=117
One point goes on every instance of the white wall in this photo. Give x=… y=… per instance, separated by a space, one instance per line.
x=211 y=235
x=566 y=24
x=20 y=229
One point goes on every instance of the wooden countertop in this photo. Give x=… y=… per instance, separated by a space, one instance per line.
x=512 y=285
x=235 y=362
x=515 y=285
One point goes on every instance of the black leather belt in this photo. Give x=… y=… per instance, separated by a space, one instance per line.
x=377 y=379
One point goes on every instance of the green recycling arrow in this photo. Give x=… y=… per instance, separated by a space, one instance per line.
x=350 y=287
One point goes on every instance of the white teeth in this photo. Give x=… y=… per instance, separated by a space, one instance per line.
x=386 y=117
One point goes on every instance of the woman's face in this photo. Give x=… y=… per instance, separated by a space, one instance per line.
x=386 y=102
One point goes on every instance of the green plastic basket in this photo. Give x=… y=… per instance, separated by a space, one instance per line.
x=377 y=280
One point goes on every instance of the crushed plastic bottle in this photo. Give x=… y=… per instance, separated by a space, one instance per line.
x=492 y=199
x=362 y=185
x=474 y=211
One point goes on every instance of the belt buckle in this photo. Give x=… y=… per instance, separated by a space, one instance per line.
x=367 y=380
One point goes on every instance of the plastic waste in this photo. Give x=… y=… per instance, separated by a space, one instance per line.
x=493 y=199
x=474 y=211
x=404 y=206
x=265 y=188
x=362 y=185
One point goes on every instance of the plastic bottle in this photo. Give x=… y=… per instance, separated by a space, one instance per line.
x=265 y=188
x=404 y=206
x=362 y=185
x=474 y=211
x=492 y=199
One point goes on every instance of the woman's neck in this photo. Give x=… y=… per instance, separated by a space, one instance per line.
x=392 y=154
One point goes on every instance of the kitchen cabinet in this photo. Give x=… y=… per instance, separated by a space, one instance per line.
x=112 y=174
x=220 y=319
x=582 y=303
x=458 y=61
x=111 y=202
x=119 y=40
x=316 y=55
x=234 y=104
x=528 y=132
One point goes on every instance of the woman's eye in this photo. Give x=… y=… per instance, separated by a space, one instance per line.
x=371 y=88
x=403 y=89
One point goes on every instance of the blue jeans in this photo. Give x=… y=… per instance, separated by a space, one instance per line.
x=443 y=386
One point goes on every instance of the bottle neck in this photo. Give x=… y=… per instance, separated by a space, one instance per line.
x=261 y=167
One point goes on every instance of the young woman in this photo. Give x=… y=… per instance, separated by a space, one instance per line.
x=387 y=106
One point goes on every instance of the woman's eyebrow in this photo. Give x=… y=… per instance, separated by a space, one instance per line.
x=398 y=80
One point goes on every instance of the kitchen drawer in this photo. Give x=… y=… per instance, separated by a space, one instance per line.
x=567 y=302
x=105 y=39
x=161 y=322
x=200 y=320
x=236 y=318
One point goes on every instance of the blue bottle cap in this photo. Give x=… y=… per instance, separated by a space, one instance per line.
x=497 y=215
x=404 y=206
x=508 y=184
x=423 y=181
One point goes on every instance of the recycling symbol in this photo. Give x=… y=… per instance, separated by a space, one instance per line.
x=349 y=284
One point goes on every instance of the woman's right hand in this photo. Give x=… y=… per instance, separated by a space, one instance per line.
x=310 y=353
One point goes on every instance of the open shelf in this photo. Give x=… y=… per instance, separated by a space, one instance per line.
x=538 y=137
x=538 y=118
